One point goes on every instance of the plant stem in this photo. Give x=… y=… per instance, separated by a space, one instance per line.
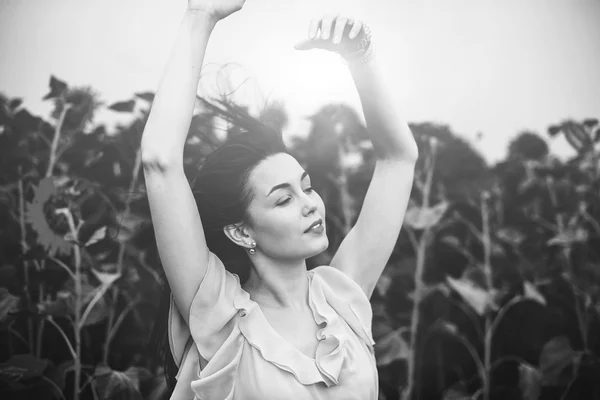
x=24 y=249
x=15 y=333
x=55 y=140
x=55 y=387
x=51 y=163
x=566 y=254
x=78 y=302
x=428 y=182
x=344 y=196
x=78 y=306
x=116 y=326
x=418 y=294
x=121 y=257
x=414 y=325
x=64 y=336
x=487 y=266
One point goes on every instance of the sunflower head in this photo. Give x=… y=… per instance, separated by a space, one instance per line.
x=50 y=226
x=83 y=103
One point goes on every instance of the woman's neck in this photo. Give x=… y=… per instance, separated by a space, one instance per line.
x=274 y=285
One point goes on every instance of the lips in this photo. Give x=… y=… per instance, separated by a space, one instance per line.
x=317 y=222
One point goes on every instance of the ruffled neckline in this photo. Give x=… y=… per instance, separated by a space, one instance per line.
x=261 y=335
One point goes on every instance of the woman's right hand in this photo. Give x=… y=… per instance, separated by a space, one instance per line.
x=217 y=9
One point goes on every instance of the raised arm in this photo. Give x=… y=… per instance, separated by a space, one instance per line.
x=366 y=249
x=177 y=226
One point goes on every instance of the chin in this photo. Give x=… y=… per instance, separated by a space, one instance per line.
x=323 y=245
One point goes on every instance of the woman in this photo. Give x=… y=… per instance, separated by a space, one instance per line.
x=272 y=329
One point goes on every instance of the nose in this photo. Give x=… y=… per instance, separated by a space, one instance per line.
x=310 y=205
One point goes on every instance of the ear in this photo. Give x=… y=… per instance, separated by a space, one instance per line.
x=238 y=234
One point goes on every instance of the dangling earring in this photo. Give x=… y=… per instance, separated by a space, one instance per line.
x=252 y=251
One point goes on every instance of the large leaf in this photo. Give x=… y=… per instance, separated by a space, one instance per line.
x=553 y=130
x=25 y=376
x=383 y=284
x=93 y=301
x=15 y=103
x=57 y=87
x=128 y=226
x=123 y=106
x=63 y=305
x=531 y=292
x=148 y=96
x=138 y=375
x=530 y=382
x=556 y=355
x=428 y=290
x=458 y=245
x=577 y=136
x=425 y=217
x=590 y=123
x=391 y=347
x=105 y=277
x=24 y=366
x=98 y=308
x=8 y=303
x=568 y=237
x=457 y=392
x=476 y=297
x=96 y=236
x=510 y=235
x=111 y=384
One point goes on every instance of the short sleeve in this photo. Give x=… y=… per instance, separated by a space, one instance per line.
x=213 y=311
x=348 y=299
x=214 y=329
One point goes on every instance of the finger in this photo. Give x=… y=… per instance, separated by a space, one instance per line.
x=313 y=28
x=355 y=29
x=340 y=24
x=326 y=27
x=305 y=45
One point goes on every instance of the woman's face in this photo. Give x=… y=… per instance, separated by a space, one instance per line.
x=283 y=208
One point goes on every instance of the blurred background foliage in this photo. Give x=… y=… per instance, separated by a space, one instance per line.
x=492 y=292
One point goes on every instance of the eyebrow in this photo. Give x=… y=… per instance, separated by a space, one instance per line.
x=285 y=185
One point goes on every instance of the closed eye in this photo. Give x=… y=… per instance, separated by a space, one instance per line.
x=287 y=200
x=284 y=201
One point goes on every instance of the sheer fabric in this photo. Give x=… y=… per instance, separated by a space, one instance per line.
x=244 y=357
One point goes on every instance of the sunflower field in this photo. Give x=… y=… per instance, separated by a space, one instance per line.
x=492 y=292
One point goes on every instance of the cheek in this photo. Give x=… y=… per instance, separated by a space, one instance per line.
x=320 y=205
x=278 y=234
x=276 y=225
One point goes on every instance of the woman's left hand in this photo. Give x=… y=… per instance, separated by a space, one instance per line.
x=339 y=34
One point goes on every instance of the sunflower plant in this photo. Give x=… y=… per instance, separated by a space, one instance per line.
x=51 y=228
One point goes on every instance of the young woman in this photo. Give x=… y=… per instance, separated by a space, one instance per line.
x=271 y=329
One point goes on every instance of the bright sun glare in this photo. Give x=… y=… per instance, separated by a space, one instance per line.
x=314 y=75
x=303 y=81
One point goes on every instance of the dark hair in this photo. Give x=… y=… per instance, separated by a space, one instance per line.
x=222 y=193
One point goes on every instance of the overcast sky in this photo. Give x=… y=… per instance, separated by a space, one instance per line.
x=495 y=67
